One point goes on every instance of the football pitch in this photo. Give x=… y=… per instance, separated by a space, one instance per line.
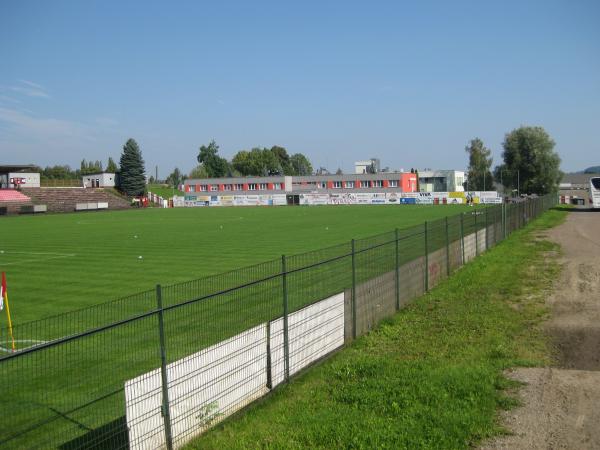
x=63 y=262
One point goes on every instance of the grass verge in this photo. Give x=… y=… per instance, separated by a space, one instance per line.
x=430 y=377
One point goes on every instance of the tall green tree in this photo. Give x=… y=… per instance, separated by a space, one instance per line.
x=59 y=173
x=283 y=158
x=260 y=162
x=198 y=172
x=175 y=178
x=530 y=163
x=132 y=178
x=89 y=167
x=215 y=165
x=300 y=165
x=112 y=167
x=479 y=175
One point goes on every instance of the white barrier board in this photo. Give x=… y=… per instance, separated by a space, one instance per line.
x=216 y=381
x=314 y=331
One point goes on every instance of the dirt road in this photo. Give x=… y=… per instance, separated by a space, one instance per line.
x=561 y=405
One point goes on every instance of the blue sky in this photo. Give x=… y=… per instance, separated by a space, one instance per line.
x=409 y=83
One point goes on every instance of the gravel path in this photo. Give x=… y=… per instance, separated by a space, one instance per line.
x=561 y=405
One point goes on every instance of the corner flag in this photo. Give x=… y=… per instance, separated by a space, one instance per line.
x=2 y=291
x=3 y=300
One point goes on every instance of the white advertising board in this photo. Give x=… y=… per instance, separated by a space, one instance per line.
x=490 y=200
x=218 y=380
x=314 y=199
x=313 y=332
x=279 y=200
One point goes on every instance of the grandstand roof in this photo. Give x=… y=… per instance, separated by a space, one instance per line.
x=6 y=168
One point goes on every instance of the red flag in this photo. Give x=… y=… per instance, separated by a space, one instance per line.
x=3 y=293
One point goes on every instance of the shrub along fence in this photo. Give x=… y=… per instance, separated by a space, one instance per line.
x=154 y=369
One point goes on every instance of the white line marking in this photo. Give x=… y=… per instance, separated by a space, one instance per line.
x=23 y=341
x=10 y=252
x=35 y=260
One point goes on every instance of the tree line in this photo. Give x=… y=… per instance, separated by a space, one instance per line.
x=530 y=164
x=131 y=174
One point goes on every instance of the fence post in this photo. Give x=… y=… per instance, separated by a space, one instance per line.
x=476 y=235
x=163 y=371
x=447 y=249
x=495 y=224
x=353 y=291
x=269 y=361
x=486 y=229
x=286 y=344
x=503 y=220
x=426 y=260
x=397 y=273
x=462 y=237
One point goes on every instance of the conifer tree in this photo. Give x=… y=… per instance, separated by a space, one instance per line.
x=132 y=178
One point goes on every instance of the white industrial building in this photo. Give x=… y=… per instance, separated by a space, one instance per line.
x=103 y=179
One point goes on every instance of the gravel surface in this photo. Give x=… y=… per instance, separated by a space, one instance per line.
x=561 y=405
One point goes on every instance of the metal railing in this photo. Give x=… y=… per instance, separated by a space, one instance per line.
x=154 y=369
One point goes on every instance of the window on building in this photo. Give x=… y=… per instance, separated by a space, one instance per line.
x=337 y=184
x=364 y=184
x=203 y=188
x=251 y=186
x=227 y=187
x=214 y=187
x=393 y=183
x=263 y=186
x=349 y=184
x=191 y=188
x=322 y=185
x=277 y=186
x=377 y=183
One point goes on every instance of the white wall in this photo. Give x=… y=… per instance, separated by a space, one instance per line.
x=314 y=331
x=219 y=380
x=225 y=377
x=31 y=179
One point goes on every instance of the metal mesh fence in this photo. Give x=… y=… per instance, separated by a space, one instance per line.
x=156 y=368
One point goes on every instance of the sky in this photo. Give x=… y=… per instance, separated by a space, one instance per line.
x=410 y=83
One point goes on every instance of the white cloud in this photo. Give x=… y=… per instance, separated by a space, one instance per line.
x=32 y=84
x=5 y=98
x=37 y=127
x=28 y=88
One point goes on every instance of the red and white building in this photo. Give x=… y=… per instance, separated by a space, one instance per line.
x=289 y=190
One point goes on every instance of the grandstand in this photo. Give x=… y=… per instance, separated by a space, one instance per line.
x=11 y=201
x=68 y=199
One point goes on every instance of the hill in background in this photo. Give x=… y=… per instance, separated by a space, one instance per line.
x=593 y=169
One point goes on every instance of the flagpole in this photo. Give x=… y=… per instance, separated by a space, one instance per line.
x=9 y=322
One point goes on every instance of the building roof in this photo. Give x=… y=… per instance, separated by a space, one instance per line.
x=6 y=168
x=577 y=178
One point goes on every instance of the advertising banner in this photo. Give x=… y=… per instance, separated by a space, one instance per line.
x=408 y=201
x=393 y=198
x=342 y=199
x=424 y=200
x=279 y=200
x=226 y=200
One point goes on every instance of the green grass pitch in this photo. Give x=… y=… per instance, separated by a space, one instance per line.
x=59 y=263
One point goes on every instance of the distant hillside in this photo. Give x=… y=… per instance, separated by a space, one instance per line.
x=593 y=169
